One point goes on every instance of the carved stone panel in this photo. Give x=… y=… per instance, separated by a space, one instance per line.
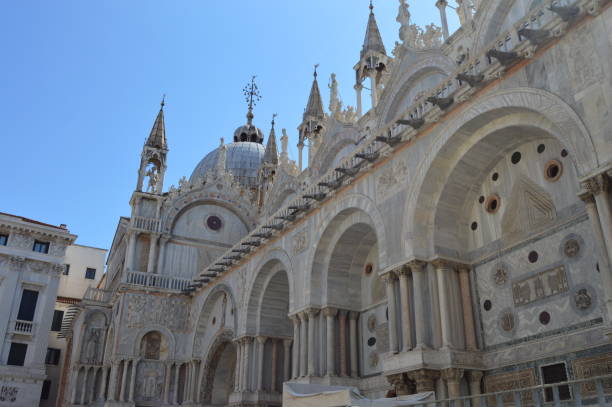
x=172 y=313
x=300 y=241
x=542 y=285
x=8 y=393
x=593 y=366
x=511 y=381
x=150 y=381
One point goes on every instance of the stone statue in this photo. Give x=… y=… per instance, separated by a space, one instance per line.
x=183 y=183
x=93 y=344
x=335 y=104
x=403 y=17
x=433 y=36
x=150 y=385
x=153 y=179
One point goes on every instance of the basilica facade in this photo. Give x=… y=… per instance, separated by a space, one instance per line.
x=456 y=238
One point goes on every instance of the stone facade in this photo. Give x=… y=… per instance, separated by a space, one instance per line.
x=455 y=238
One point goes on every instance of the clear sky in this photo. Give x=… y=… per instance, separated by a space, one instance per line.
x=82 y=80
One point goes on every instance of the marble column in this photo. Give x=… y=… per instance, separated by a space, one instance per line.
x=441 y=5
x=123 y=381
x=443 y=271
x=475 y=378
x=599 y=186
x=390 y=278
x=405 y=312
x=419 y=278
x=330 y=319
x=261 y=344
x=246 y=382
x=134 y=364
x=238 y=367
x=353 y=317
x=102 y=395
x=198 y=384
x=286 y=360
x=153 y=238
x=453 y=383
x=177 y=371
x=112 y=382
x=342 y=314
x=424 y=379
x=161 y=253
x=296 y=347
x=312 y=324
x=358 y=89
x=187 y=384
x=131 y=250
x=167 y=382
x=303 y=343
x=75 y=384
x=374 y=86
x=466 y=305
x=84 y=386
x=274 y=365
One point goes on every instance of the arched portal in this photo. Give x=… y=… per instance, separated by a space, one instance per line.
x=221 y=371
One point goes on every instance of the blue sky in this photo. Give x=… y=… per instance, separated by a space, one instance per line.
x=82 y=81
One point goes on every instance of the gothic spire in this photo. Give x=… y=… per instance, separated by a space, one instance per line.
x=373 y=40
x=157 y=138
x=271 y=154
x=314 y=108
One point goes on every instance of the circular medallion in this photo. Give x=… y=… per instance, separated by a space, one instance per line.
x=501 y=276
x=544 y=318
x=571 y=248
x=507 y=322
x=583 y=299
x=214 y=222
x=371 y=341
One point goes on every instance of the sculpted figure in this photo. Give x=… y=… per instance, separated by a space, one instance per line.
x=153 y=179
x=335 y=104
x=403 y=17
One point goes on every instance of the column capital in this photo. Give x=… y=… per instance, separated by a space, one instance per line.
x=312 y=312
x=416 y=265
x=452 y=375
x=442 y=263
x=441 y=3
x=353 y=315
x=330 y=311
x=294 y=318
x=389 y=275
x=403 y=271
x=303 y=315
x=342 y=313
x=424 y=379
x=262 y=339
x=596 y=184
x=287 y=342
x=475 y=376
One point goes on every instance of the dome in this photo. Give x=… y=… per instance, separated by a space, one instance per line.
x=248 y=132
x=242 y=161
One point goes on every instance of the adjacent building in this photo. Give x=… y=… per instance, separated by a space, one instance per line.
x=31 y=264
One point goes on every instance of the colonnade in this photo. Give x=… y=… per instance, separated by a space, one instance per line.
x=250 y=367
x=340 y=344
x=408 y=282
x=89 y=383
x=155 y=258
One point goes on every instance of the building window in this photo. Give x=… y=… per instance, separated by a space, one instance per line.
x=90 y=273
x=17 y=354
x=3 y=240
x=53 y=356
x=27 y=307
x=555 y=374
x=44 y=395
x=41 y=247
x=66 y=269
x=58 y=317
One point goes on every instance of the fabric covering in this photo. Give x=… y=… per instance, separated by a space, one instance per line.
x=314 y=395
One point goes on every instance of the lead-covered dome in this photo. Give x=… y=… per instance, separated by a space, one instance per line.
x=243 y=160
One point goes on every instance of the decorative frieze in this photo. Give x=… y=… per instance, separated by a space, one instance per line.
x=9 y=393
x=593 y=366
x=172 y=313
x=391 y=177
x=542 y=285
x=511 y=381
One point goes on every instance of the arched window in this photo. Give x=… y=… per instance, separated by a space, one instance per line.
x=150 y=346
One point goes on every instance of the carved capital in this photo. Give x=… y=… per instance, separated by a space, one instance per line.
x=597 y=184
x=389 y=277
x=262 y=339
x=303 y=315
x=312 y=312
x=399 y=383
x=416 y=265
x=424 y=379
x=445 y=264
x=295 y=319
x=587 y=198
x=16 y=262
x=403 y=271
x=353 y=315
x=452 y=375
x=475 y=376
x=330 y=311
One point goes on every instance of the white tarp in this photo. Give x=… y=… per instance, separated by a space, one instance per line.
x=314 y=395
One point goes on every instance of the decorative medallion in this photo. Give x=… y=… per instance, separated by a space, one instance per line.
x=371 y=341
x=583 y=299
x=571 y=248
x=507 y=321
x=214 y=223
x=501 y=275
x=372 y=323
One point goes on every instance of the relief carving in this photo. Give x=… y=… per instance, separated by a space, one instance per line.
x=9 y=393
x=542 y=285
x=583 y=65
x=593 y=366
x=510 y=381
x=150 y=381
x=300 y=241
x=583 y=299
x=391 y=177
x=172 y=313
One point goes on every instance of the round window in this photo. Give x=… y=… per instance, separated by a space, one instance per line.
x=214 y=222
x=553 y=170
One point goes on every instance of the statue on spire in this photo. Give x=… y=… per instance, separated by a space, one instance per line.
x=335 y=103
x=403 y=17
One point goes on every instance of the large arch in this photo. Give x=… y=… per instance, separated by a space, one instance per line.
x=354 y=215
x=538 y=110
x=220 y=362
x=214 y=296
x=168 y=340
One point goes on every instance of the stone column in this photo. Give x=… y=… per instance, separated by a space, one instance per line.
x=303 y=343
x=246 y=382
x=374 y=86
x=198 y=384
x=405 y=312
x=133 y=379
x=84 y=386
x=353 y=316
x=598 y=186
x=162 y=252
x=131 y=250
x=475 y=377
x=187 y=384
x=441 y=5
x=424 y=379
x=274 y=365
x=419 y=277
x=102 y=395
x=390 y=278
x=154 y=237
x=112 y=382
x=237 y=372
x=286 y=360
x=312 y=313
x=123 y=381
x=342 y=340
x=443 y=270
x=167 y=381
x=261 y=341
x=330 y=319
x=296 y=347
x=177 y=371
x=358 y=88
x=466 y=306
x=75 y=384
x=453 y=382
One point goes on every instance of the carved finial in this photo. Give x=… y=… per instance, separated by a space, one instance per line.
x=273 y=119
x=251 y=92
x=163 y=101
x=315 y=70
x=371 y=7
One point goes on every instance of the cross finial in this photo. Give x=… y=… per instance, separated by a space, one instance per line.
x=163 y=101
x=315 y=70
x=371 y=7
x=251 y=92
x=273 y=119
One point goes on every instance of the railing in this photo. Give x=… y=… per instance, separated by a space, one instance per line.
x=23 y=327
x=582 y=392
x=97 y=295
x=146 y=224
x=156 y=280
x=383 y=141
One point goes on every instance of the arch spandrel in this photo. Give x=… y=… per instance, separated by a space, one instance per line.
x=520 y=106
